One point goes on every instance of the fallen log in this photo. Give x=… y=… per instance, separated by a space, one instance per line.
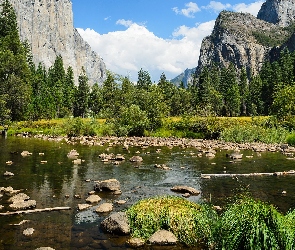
x=208 y=176
x=36 y=211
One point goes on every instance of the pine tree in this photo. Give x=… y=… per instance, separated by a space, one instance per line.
x=81 y=103
x=144 y=79
x=15 y=74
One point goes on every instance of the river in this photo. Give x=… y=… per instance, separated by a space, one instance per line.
x=53 y=181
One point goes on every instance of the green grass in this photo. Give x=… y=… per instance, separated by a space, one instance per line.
x=189 y=221
x=245 y=224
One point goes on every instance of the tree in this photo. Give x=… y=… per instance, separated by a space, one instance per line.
x=144 y=80
x=230 y=91
x=284 y=102
x=96 y=99
x=244 y=91
x=15 y=74
x=81 y=102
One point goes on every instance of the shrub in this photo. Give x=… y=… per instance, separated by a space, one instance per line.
x=291 y=139
x=190 y=222
x=251 y=224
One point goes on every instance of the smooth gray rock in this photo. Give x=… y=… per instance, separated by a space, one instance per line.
x=107 y=185
x=185 y=189
x=116 y=223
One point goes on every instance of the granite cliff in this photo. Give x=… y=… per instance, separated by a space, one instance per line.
x=48 y=26
x=247 y=41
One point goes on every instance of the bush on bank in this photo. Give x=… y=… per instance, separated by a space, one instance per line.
x=233 y=129
x=244 y=224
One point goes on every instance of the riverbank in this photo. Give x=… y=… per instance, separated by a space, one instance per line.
x=230 y=129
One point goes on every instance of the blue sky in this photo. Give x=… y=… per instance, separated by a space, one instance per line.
x=156 y=35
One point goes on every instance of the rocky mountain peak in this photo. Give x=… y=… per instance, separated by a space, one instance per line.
x=48 y=27
x=280 y=12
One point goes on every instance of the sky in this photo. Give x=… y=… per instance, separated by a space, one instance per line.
x=155 y=35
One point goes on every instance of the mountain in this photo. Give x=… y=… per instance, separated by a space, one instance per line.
x=48 y=26
x=247 y=41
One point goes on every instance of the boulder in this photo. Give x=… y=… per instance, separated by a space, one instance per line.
x=107 y=185
x=73 y=154
x=93 y=199
x=19 y=197
x=163 y=237
x=21 y=205
x=25 y=153
x=104 y=208
x=185 y=189
x=28 y=231
x=116 y=223
x=83 y=206
x=8 y=174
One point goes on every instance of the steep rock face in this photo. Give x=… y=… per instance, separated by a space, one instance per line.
x=48 y=26
x=280 y=12
x=236 y=38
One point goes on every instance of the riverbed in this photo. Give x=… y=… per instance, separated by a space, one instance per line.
x=51 y=178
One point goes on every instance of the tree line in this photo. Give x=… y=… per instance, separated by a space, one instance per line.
x=30 y=92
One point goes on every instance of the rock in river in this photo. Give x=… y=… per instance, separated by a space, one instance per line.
x=163 y=237
x=116 y=223
x=107 y=185
x=185 y=189
x=104 y=208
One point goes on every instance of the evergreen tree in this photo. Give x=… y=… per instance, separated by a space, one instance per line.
x=96 y=99
x=15 y=74
x=244 y=91
x=69 y=91
x=230 y=91
x=144 y=80
x=81 y=102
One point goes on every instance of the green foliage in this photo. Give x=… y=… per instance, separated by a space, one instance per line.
x=78 y=126
x=190 y=222
x=250 y=224
x=291 y=139
x=132 y=121
x=254 y=133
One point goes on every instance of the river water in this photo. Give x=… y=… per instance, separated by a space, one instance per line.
x=56 y=182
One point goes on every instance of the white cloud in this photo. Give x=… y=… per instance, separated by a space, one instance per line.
x=216 y=6
x=125 y=52
x=252 y=8
x=126 y=23
x=189 y=11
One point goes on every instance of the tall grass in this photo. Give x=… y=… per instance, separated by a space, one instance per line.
x=245 y=224
x=251 y=224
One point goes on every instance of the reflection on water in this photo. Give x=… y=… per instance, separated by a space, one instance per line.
x=56 y=182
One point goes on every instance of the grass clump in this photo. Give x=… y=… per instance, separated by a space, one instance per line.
x=251 y=224
x=291 y=139
x=189 y=222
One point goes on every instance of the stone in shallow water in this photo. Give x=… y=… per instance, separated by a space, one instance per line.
x=23 y=205
x=104 y=208
x=83 y=206
x=19 y=197
x=28 y=231
x=93 y=199
x=116 y=223
x=135 y=242
x=163 y=237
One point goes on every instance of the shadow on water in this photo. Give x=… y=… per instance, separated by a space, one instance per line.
x=56 y=182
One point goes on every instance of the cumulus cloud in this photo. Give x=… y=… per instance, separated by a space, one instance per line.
x=189 y=11
x=125 y=52
x=216 y=6
x=126 y=23
x=252 y=8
